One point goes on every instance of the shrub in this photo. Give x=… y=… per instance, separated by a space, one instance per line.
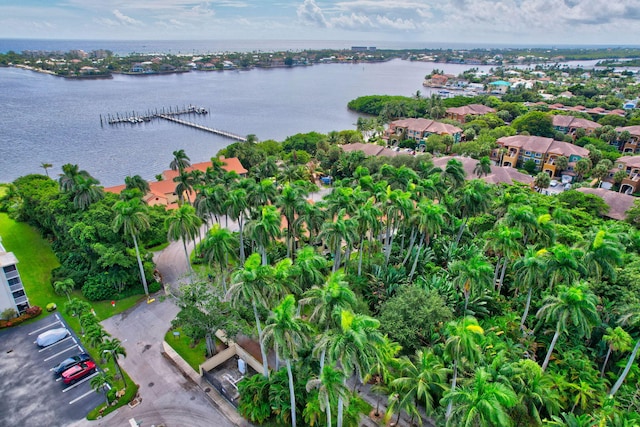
x=51 y=306
x=8 y=314
x=96 y=290
x=34 y=311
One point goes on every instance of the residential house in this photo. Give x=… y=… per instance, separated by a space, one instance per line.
x=419 y=129
x=618 y=203
x=12 y=293
x=633 y=144
x=499 y=87
x=497 y=175
x=164 y=192
x=516 y=150
x=631 y=165
x=569 y=124
x=460 y=113
x=371 y=149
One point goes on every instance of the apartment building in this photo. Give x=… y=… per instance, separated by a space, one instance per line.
x=12 y=293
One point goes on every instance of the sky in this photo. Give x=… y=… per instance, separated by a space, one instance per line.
x=503 y=22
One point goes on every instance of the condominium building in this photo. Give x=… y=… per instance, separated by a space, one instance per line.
x=12 y=293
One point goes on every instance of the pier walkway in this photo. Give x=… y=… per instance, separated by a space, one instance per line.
x=204 y=128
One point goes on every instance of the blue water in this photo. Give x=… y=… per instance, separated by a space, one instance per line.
x=54 y=120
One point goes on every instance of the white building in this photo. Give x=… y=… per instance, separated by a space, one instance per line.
x=12 y=293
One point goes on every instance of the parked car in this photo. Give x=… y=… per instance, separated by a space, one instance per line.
x=51 y=337
x=76 y=372
x=67 y=363
x=553 y=183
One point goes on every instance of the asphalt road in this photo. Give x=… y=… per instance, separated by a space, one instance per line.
x=31 y=396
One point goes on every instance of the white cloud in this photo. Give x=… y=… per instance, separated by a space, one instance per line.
x=311 y=13
x=124 y=19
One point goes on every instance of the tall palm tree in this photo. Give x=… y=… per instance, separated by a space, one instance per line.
x=631 y=317
x=472 y=200
x=237 y=207
x=291 y=202
x=86 y=191
x=95 y=334
x=483 y=403
x=330 y=385
x=264 y=229
x=183 y=224
x=429 y=218
x=69 y=176
x=563 y=264
x=463 y=338
x=421 y=379
x=247 y=287
x=180 y=161
x=218 y=247
x=356 y=345
x=535 y=389
x=287 y=332
x=185 y=184
x=131 y=217
x=136 y=181
x=309 y=268
x=46 y=166
x=506 y=244
x=367 y=219
x=522 y=218
x=334 y=233
x=103 y=381
x=530 y=275
x=483 y=167
x=313 y=216
x=617 y=340
x=112 y=348
x=471 y=276
x=64 y=287
x=603 y=253
x=454 y=174
x=574 y=308
x=328 y=302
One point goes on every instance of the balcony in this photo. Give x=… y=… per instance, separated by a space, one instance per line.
x=21 y=300
x=16 y=287
x=11 y=274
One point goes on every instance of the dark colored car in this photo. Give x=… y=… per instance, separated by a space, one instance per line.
x=76 y=372
x=67 y=363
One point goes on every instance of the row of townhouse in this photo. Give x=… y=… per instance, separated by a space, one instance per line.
x=419 y=129
x=514 y=151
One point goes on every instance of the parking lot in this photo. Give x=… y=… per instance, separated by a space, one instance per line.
x=31 y=394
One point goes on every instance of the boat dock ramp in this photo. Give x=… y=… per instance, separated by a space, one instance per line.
x=171 y=115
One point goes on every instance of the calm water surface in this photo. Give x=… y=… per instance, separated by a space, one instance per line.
x=55 y=120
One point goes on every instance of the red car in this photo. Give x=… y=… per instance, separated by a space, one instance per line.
x=78 y=371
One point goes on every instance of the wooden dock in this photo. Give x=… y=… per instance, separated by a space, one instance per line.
x=169 y=114
x=204 y=128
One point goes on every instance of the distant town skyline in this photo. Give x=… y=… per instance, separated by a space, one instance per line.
x=502 y=22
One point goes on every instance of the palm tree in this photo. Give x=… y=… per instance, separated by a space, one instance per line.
x=454 y=174
x=69 y=176
x=183 y=224
x=328 y=302
x=530 y=274
x=631 y=317
x=287 y=332
x=64 y=287
x=86 y=191
x=506 y=244
x=422 y=380
x=471 y=275
x=308 y=268
x=113 y=349
x=131 y=216
x=429 y=218
x=603 y=254
x=335 y=232
x=136 y=181
x=103 y=381
x=574 y=308
x=522 y=218
x=180 y=161
x=330 y=387
x=185 y=185
x=483 y=167
x=617 y=340
x=291 y=203
x=237 y=205
x=563 y=264
x=368 y=221
x=46 y=166
x=473 y=200
x=216 y=248
x=535 y=389
x=483 y=403
x=265 y=229
x=247 y=286
x=356 y=345
x=462 y=342
x=95 y=334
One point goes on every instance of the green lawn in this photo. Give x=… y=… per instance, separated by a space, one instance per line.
x=194 y=356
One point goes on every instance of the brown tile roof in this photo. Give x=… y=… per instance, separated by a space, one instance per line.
x=116 y=189
x=633 y=130
x=372 y=149
x=630 y=161
x=570 y=121
x=618 y=203
x=426 y=125
x=229 y=165
x=471 y=110
x=567 y=149
x=536 y=144
x=498 y=174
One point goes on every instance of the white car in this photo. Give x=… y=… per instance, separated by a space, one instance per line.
x=553 y=183
x=51 y=337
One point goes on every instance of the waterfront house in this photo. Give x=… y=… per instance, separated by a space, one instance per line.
x=633 y=144
x=569 y=124
x=12 y=293
x=419 y=129
x=460 y=113
x=499 y=87
x=514 y=151
x=164 y=192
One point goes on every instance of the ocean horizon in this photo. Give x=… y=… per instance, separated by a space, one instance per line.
x=186 y=47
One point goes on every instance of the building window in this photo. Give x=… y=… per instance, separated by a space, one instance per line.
x=537 y=161
x=14 y=281
x=18 y=294
x=538 y=155
x=620 y=166
x=9 y=268
x=527 y=153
